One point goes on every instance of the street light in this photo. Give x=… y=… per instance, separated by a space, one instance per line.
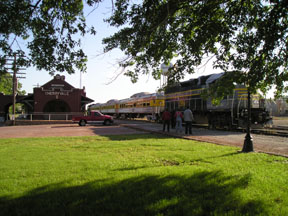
x=248 y=142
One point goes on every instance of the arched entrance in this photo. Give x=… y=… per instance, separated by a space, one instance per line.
x=21 y=111
x=55 y=110
x=24 y=103
x=56 y=106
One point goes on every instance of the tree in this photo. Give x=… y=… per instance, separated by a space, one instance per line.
x=6 y=85
x=247 y=39
x=50 y=31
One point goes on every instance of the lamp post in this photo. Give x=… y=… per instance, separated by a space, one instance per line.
x=248 y=142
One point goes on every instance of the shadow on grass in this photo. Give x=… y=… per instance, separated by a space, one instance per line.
x=136 y=136
x=204 y=193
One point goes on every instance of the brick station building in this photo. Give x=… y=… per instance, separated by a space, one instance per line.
x=55 y=97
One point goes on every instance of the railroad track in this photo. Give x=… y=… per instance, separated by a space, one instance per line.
x=281 y=131
x=274 y=131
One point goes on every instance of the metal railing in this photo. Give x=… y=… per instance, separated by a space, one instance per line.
x=44 y=116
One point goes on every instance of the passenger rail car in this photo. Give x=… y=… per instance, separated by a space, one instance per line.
x=137 y=106
x=230 y=113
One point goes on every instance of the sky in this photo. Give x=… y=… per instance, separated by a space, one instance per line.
x=101 y=68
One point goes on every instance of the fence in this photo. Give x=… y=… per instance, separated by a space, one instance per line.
x=44 y=116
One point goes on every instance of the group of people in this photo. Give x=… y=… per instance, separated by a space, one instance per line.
x=176 y=118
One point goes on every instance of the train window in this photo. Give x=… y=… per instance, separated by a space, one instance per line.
x=148 y=104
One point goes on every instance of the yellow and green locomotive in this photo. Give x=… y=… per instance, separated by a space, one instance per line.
x=231 y=112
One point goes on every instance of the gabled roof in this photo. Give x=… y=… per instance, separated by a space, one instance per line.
x=57 y=82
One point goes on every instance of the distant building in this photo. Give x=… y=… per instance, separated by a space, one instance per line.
x=278 y=107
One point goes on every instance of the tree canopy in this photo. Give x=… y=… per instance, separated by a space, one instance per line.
x=247 y=39
x=49 y=30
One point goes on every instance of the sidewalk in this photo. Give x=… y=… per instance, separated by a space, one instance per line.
x=262 y=143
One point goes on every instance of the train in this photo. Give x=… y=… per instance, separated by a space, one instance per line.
x=139 y=105
x=230 y=113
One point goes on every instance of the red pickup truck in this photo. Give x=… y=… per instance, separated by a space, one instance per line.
x=93 y=117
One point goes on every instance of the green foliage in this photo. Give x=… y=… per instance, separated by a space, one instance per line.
x=140 y=174
x=248 y=39
x=19 y=108
x=49 y=29
x=6 y=85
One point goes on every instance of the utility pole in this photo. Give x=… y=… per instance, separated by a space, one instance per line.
x=14 y=70
x=14 y=87
x=80 y=80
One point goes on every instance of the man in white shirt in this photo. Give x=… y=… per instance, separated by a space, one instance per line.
x=188 y=118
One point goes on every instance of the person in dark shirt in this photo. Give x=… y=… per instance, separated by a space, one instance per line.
x=166 y=118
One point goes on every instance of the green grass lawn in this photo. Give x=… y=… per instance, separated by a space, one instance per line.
x=138 y=175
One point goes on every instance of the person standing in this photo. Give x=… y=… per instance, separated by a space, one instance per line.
x=178 y=117
x=166 y=117
x=188 y=118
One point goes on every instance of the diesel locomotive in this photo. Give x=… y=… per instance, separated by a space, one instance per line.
x=230 y=113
